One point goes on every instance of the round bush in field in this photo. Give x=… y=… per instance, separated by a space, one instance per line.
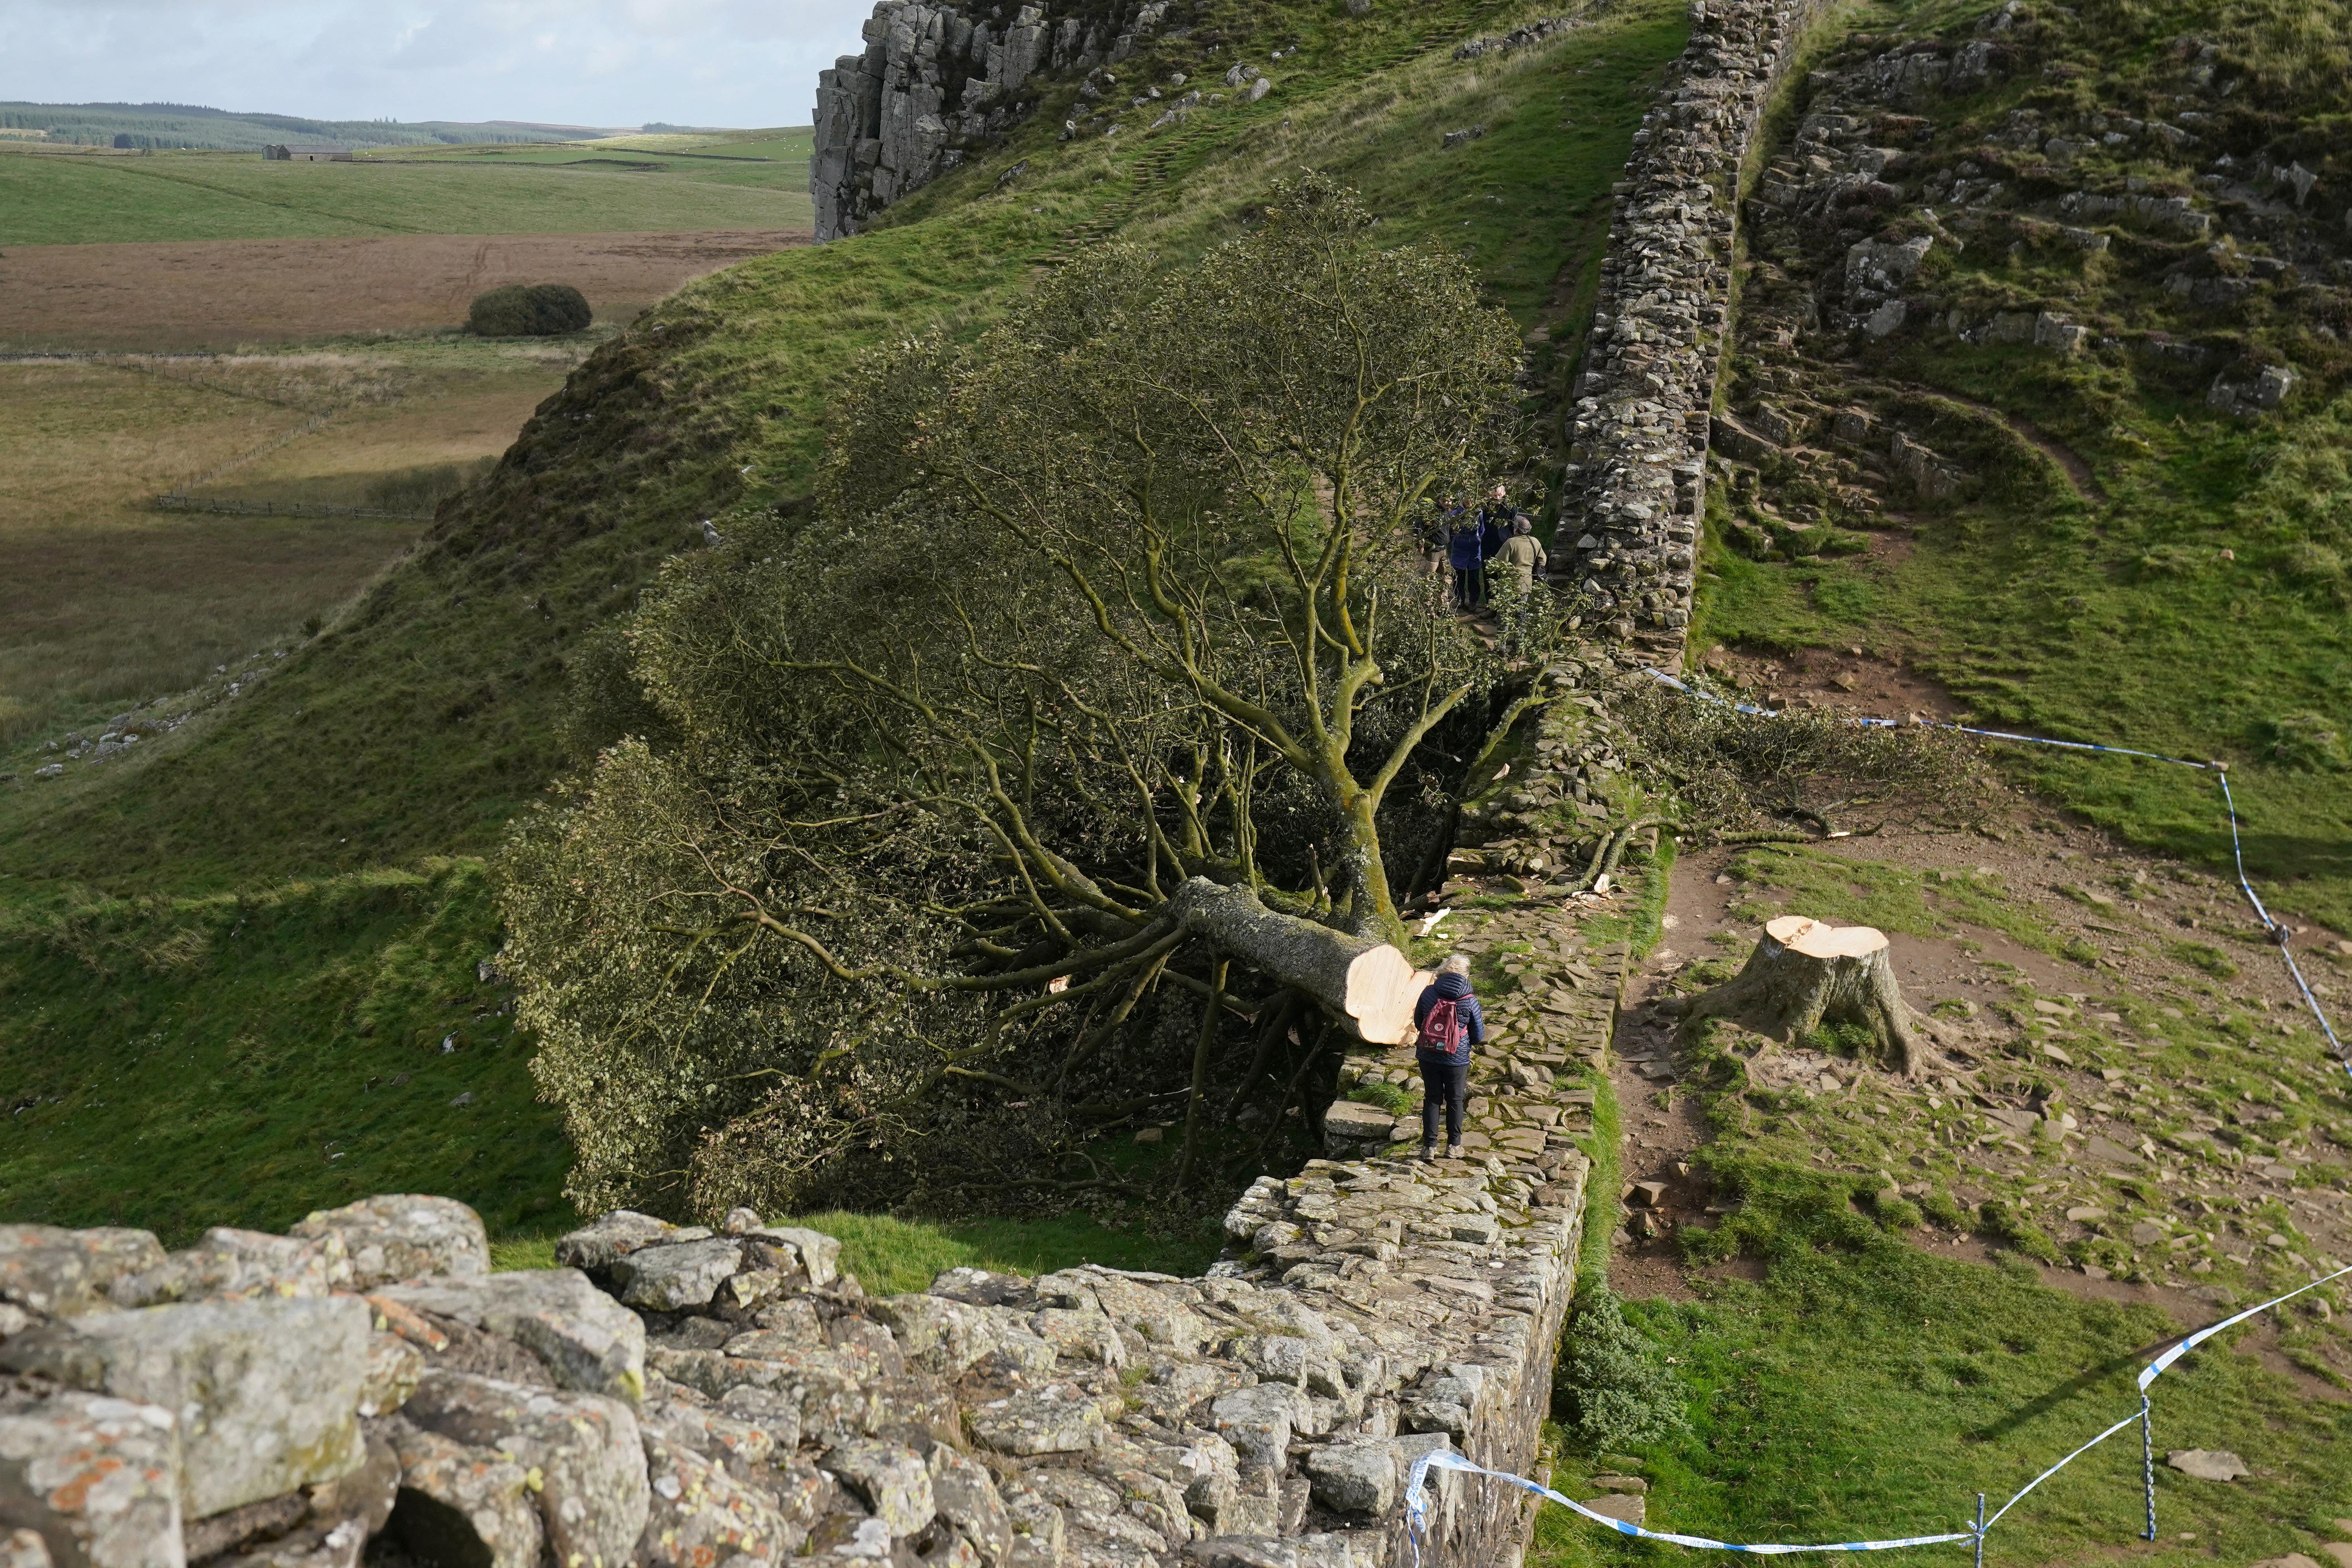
x=529 y=311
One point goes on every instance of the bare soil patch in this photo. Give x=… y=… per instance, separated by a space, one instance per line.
x=213 y=293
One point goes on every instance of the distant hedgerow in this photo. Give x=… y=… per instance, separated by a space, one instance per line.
x=529 y=311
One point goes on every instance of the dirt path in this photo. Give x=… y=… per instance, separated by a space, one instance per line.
x=2079 y=472
x=225 y=292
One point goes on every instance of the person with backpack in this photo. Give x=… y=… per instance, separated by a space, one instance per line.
x=1447 y=1026
x=1495 y=515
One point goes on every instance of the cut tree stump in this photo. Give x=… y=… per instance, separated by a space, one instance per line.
x=1804 y=974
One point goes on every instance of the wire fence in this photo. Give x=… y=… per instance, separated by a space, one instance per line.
x=1418 y=1504
x=2279 y=933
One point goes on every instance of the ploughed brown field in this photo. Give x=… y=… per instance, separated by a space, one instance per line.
x=212 y=293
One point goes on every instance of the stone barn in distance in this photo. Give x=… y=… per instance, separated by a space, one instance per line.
x=306 y=153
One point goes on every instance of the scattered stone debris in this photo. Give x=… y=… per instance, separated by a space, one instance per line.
x=1520 y=37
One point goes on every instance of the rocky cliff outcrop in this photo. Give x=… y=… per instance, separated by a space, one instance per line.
x=935 y=79
x=1638 y=434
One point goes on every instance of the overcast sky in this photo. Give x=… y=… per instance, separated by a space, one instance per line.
x=573 y=62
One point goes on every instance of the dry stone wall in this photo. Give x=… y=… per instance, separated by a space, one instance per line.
x=1639 y=429
x=683 y=1397
x=936 y=78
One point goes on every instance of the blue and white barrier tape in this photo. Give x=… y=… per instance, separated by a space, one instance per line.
x=1418 y=1502
x=1417 y=1508
x=2228 y=805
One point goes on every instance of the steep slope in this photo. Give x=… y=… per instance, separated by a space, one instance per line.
x=2040 y=386
x=440 y=702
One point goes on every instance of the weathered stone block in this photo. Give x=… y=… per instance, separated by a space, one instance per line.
x=585 y=1448
x=94 y=1480
x=266 y=1393
x=229 y=1262
x=58 y=1273
x=675 y=1276
x=893 y=1482
x=698 y=1515
x=588 y=1340
x=1355 y=1475
x=461 y=1505
x=1060 y=1418
x=403 y=1237
x=968 y=1499
x=594 y=1247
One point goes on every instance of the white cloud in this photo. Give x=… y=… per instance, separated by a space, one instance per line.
x=574 y=62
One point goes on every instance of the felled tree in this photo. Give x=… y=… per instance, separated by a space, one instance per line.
x=1105 y=658
x=1798 y=773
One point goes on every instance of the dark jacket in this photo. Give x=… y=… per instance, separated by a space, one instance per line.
x=1465 y=547
x=1456 y=989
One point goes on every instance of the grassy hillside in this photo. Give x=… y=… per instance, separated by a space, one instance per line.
x=2124 y=561
x=245 y=1059
x=419 y=719
x=1863 y=1389
x=105 y=602
x=59 y=198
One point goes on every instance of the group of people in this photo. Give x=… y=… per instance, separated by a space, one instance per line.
x=1474 y=541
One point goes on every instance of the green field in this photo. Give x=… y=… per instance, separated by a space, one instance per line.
x=1864 y=1390
x=440 y=702
x=90 y=198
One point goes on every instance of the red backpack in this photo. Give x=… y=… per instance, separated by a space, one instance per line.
x=1442 y=1031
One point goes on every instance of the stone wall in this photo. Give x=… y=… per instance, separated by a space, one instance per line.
x=1639 y=429
x=682 y=1397
x=936 y=78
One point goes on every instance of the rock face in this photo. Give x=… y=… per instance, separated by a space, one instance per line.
x=936 y=78
x=1639 y=431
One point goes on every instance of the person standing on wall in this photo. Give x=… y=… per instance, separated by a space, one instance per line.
x=1448 y=1026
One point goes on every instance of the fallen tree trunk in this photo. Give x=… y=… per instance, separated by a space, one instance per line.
x=1804 y=974
x=1369 y=987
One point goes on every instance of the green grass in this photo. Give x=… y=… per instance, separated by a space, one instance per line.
x=2114 y=617
x=244 y=1059
x=778 y=162
x=891 y=1256
x=49 y=198
x=1864 y=1389
x=1798 y=879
